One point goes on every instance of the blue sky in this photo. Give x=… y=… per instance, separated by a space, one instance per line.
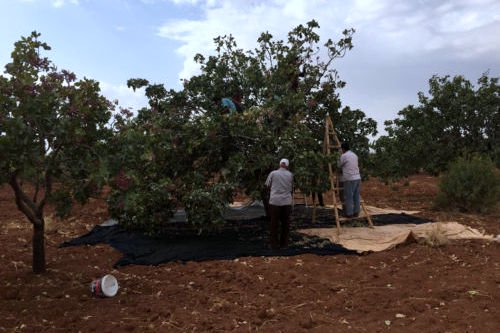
x=398 y=45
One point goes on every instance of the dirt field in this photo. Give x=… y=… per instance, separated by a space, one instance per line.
x=413 y=288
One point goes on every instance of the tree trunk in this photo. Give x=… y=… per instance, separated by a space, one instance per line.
x=34 y=213
x=39 y=246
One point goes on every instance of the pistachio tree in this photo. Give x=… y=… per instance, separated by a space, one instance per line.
x=455 y=119
x=196 y=155
x=53 y=129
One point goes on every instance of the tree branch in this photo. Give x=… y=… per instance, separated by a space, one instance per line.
x=23 y=202
x=48 y=191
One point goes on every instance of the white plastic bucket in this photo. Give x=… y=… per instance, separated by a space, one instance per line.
x=107 y=286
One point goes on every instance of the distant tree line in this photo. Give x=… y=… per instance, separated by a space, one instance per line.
x=456 y=120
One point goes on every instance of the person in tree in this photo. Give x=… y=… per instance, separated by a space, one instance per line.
x=280 y=184
x=294 y=73
x=232 y=105
x=351 y=179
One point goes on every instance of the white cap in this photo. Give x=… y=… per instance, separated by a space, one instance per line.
x=284 y=161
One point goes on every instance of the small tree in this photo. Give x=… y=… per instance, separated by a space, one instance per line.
x=470 y=185
x=52 y=130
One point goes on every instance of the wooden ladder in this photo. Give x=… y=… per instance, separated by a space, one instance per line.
x=298 y=195
x=331 y=141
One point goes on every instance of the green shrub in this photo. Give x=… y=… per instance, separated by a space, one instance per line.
x=471 y=185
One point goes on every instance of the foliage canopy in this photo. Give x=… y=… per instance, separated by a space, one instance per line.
x=184 y=150
x=455 y=120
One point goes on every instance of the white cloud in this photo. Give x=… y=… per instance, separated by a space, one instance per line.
x=55 y=3
x=189 y=2
x=459 y=28
x=61 y=3
x=243 y=19
x=126 y=97
x=206 y=3
x=408 y=37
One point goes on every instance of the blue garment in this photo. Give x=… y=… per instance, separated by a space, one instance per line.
x=351 y=197
x=228 y=103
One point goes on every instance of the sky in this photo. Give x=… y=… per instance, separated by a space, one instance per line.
x=398 y=45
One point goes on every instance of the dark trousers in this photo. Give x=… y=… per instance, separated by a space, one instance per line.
x=280 y=225
x=320 y=198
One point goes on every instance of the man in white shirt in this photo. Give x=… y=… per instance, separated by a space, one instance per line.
x=280 y=183
x=351 y=180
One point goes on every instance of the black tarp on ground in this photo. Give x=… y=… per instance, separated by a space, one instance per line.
x=240 y=238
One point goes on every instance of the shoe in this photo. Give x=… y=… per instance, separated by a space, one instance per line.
x=356 y=214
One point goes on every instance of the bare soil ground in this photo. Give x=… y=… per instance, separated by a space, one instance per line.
x=412 y=288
